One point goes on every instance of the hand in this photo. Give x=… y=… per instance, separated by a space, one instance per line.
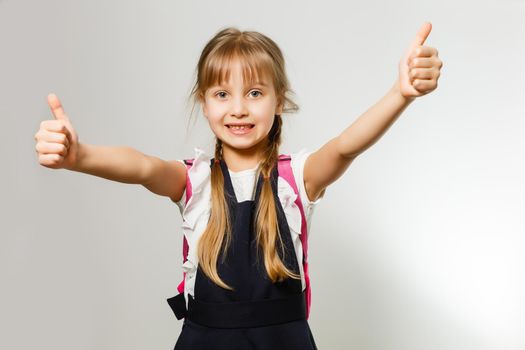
x=57 y=142
x=419 y=69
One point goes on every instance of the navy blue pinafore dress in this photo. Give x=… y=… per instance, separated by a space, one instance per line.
x=257 y=314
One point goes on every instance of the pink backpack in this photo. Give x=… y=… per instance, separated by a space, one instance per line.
x=285 y=171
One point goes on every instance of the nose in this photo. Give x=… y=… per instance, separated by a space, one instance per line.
x=238 y=107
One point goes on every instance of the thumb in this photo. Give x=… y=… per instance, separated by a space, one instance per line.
x=56 y=107
x=59 y=114
x=422 y=34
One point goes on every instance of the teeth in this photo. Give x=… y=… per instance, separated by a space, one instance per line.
x=239 y=127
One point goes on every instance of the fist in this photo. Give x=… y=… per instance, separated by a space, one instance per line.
x=419 y=69
x=56 y=140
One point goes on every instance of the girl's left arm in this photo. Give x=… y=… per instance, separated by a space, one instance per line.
x=419 y=70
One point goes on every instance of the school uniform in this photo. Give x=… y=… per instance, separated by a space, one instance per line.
x=257 y=314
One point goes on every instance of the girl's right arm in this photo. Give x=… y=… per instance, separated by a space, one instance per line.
x=127 y=165
x=58 y=147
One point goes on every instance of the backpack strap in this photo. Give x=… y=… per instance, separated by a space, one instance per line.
x=285 y=171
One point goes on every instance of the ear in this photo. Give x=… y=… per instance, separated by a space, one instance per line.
x=202 y=102
x=279 y=109
x=205 y=110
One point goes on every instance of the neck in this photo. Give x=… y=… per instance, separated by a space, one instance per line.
x=242 y=159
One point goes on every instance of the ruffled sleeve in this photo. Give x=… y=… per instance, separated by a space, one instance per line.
x=181 y=203
x=298 y=160
x=195 y=214
x=292 y=212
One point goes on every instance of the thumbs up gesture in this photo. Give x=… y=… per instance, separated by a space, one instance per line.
x=419 y=68
x=57 y=142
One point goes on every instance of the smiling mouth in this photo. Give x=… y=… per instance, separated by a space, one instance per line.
x=240 y=127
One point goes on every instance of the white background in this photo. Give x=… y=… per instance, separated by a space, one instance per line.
x=419 y=245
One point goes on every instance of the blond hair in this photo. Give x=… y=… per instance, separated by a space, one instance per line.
x=259 y=56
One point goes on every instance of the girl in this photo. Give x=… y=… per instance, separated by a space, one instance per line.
x=246 y=210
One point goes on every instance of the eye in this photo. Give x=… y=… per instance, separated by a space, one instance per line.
x=260 y=93
x=220 y=92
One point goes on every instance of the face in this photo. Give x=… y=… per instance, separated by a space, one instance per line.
x=234 y=103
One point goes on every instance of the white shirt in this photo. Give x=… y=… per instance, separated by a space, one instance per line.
x=195 y=213
x=243 y=183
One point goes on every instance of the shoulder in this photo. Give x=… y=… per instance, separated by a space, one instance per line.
x=197 y=172
x=178 y=168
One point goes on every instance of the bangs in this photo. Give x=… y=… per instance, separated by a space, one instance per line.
x=255 y=66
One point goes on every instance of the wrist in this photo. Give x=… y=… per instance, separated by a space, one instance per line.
x=82 y=150
x=396 y=91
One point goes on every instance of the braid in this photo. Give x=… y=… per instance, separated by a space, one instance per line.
x=271 y=153
x=218 y=151
x=218 y=190
x=268 y=236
